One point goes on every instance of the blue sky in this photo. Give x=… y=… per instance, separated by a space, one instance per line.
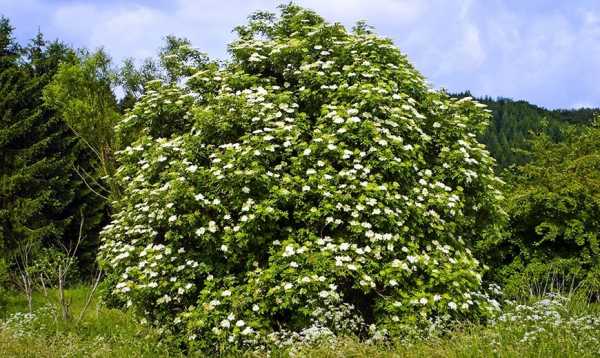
x=547 y=52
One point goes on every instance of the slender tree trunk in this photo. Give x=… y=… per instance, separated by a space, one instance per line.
x=27 y=289
x=107 y=162
x=61 y=294
x=88 y=299
x=43 y=285
x=30 y=302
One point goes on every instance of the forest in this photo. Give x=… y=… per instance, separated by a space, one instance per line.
x=309 y=196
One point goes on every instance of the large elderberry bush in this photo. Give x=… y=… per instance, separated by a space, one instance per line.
x=312 y=185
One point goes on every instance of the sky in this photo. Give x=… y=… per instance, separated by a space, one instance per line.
x=544 y=51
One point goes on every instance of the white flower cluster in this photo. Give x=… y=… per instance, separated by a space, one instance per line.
x=317 y=166
x=552 y=316
x=25 y=324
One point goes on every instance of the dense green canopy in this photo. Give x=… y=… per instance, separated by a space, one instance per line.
x=42 y=200
x=554 y=206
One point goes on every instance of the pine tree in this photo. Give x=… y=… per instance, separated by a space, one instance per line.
x=8 y=56
x=42 y=199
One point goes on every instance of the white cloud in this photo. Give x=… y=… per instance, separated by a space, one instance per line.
x=400 y=12
x=543 y=52
x=137 y=30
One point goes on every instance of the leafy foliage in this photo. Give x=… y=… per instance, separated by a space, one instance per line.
x=81 y=92
x=554 y=206
x=313 y=184
x=177 y=59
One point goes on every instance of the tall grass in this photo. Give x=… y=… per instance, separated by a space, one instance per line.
x=552 y=327
x=102 y=332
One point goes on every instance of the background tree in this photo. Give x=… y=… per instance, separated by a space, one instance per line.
x=554 y=207
x=81 y=92
x=176 y=60
x=133 y=79
x=41 y=196
x=514 y=122
x=9 y=53
x=179 y=59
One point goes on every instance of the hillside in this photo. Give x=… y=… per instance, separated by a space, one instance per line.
x=516 y=121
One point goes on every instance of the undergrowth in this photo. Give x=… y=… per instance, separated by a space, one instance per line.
x=550 y=326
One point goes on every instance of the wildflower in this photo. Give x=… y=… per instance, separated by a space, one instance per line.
x=212 y=226
x=289 y=251
x=192 y=168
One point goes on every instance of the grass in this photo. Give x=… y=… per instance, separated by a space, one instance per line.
x=475 y=341
x=105 y=332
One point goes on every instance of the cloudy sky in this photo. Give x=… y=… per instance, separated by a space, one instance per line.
x=544 y=51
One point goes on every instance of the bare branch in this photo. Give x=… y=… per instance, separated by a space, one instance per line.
x=89 y=296
x=88 y=186
x=96 y=182
x=84 y=140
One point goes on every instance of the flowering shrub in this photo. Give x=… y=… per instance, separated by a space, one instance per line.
x=313 y=186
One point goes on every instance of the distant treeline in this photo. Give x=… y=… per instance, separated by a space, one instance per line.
x=515 y=122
